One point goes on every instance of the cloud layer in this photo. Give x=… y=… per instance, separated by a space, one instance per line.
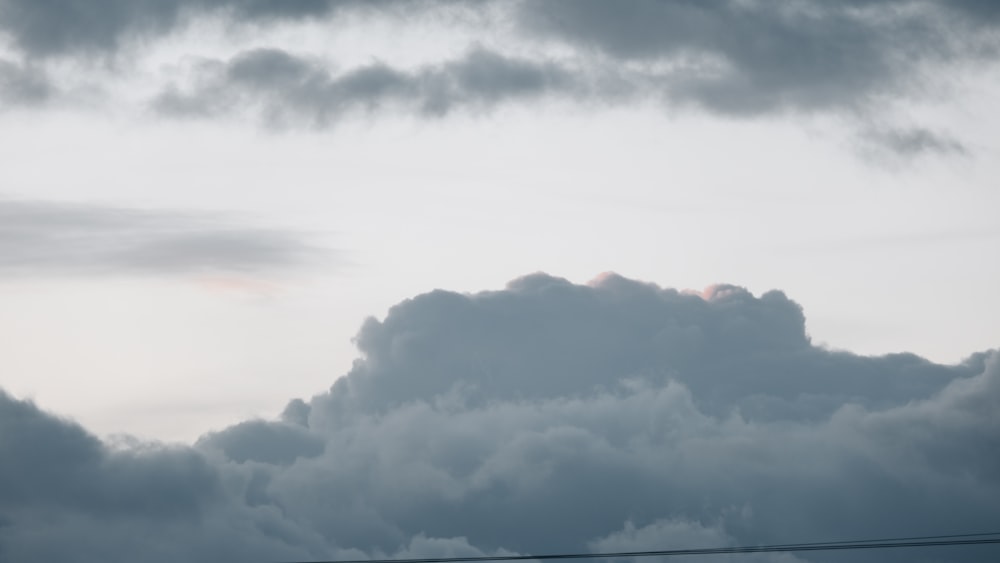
x=46 y=238
x=103 y=27
x=728 y=57
x=543 y=417
x=287 y=89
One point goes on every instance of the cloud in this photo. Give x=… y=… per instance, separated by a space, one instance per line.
x=59 y=27
x=543 y=417
x=666 y=335
x=99 y=28
x=730 y=57
x=750 y=58
x=46 y=238
x=287 y=88
x=680 y=533
x=266 y=442
x=912 y=142
x=22 y=85
x=91 y=502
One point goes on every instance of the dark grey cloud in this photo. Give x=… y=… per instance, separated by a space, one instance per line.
x=258 y=440
x=51 y=27
x=102 y=28
x=911 y=142
x=23 y=85
x=734 y=57
x=665 y=335
x=149 y=502
x=737 y=58
x=288 y=88
x=749 y=58
x=543 y=417
x=41 y=238
x=43 y=28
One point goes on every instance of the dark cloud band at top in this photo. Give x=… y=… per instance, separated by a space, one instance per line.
x=627 y=27
x=760 y=57
x=728 y=57
x=101 y=27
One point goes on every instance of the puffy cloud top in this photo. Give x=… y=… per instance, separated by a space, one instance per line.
x=544 y=337
x=543 y=417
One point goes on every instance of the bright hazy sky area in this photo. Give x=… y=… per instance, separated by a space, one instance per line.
x=267 y=218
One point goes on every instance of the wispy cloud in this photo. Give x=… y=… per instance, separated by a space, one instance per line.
x=911 y=141
x=286 y=88
x=48 y=238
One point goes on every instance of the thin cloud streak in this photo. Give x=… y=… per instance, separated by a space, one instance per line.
x=47 y=238
x=911 y=142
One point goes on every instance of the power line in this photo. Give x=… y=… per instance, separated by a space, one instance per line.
x=884 y=543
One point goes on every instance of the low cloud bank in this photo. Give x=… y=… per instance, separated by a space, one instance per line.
x=543 y=417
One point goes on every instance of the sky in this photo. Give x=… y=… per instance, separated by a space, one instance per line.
x=317 y=279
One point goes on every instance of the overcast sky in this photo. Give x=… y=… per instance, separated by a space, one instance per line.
x=768 y=232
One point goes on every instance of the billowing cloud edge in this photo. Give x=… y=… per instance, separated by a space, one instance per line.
x=543 y=417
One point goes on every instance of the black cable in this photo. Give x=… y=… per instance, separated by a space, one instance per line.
x=913 y=538
x=885 y=543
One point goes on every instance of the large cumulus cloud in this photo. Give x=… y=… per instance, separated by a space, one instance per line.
x=544 y=417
